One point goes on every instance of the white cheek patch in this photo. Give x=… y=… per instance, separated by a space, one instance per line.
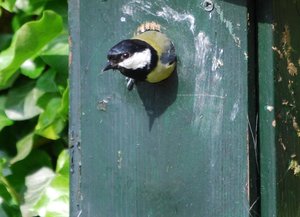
x=137 y=61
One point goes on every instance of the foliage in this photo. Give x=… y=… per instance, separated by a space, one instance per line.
x=34 y=100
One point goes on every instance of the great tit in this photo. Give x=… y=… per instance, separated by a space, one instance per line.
x=148 y=56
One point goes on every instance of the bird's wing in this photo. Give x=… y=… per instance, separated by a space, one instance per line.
x=161 y=44
x=169 y=56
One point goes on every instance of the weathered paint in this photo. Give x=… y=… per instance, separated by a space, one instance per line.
x=174 y=149
x=278 y=54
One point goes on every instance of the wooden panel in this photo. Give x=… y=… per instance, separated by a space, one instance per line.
x=179 y=148
x=279 y=55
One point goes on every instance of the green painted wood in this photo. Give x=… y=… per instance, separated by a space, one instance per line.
x=175 y=149
x=75 y=108
x=279 y=54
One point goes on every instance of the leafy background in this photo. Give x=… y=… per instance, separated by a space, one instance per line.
x=34 y=100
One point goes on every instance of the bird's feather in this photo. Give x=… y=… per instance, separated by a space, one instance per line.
x=165 y=50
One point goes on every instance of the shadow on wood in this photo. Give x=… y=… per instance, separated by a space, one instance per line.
x=158 y=97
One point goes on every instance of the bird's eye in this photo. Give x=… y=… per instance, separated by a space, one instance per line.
x=125 y=55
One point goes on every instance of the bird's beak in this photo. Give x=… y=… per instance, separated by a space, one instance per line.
x=108 y=66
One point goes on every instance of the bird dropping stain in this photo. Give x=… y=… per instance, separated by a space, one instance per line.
x=119 y=159
x=159 y=9
x=228 y=25
x=134 y=6
x=208 y=90
x=102 y=105
x=169 y=13
x=235 y=110
x=202 y=46
x=217 y=61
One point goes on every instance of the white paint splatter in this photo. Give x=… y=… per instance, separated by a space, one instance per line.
x=202 y=46
x=228 y=25
x=127 y=9
x=169 y=13
x=208 y=91
x=148 y=5
x=119 y=159
x=123 y=19
x=134 y=6
x=217 y=62
x=246 y=55
x=269 y=108
x=164 y=11
x=235 y=110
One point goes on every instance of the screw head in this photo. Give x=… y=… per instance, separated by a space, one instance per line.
x=208 y=5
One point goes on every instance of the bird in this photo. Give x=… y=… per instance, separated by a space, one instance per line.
x=148 y=56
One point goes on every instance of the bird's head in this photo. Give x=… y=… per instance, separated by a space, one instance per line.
x=130 y=56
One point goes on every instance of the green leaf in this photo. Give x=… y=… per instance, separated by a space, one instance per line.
x=56 y=55
x=9 y=199
x=60 y=7
x=57 y=47
x=2 y=211
x=24 y=147
x=10 y=210
x=4 y=120
x=36 y=184
x=62 y=166
x=6 y=191
x=21 y=102
x=18 y=21
x=47 y=82
x=9 y=136
x=64 y=108
x=47 y=124
x=8 y=5
x=48 y=192
x=5 y=40
x=32 y=68
x=45 y=99
x=56 y=202
x=31 y=6
x=27 y=43
x=34 y=161
x=54 y=119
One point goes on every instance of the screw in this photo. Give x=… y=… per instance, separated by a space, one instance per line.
x=208 y=5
